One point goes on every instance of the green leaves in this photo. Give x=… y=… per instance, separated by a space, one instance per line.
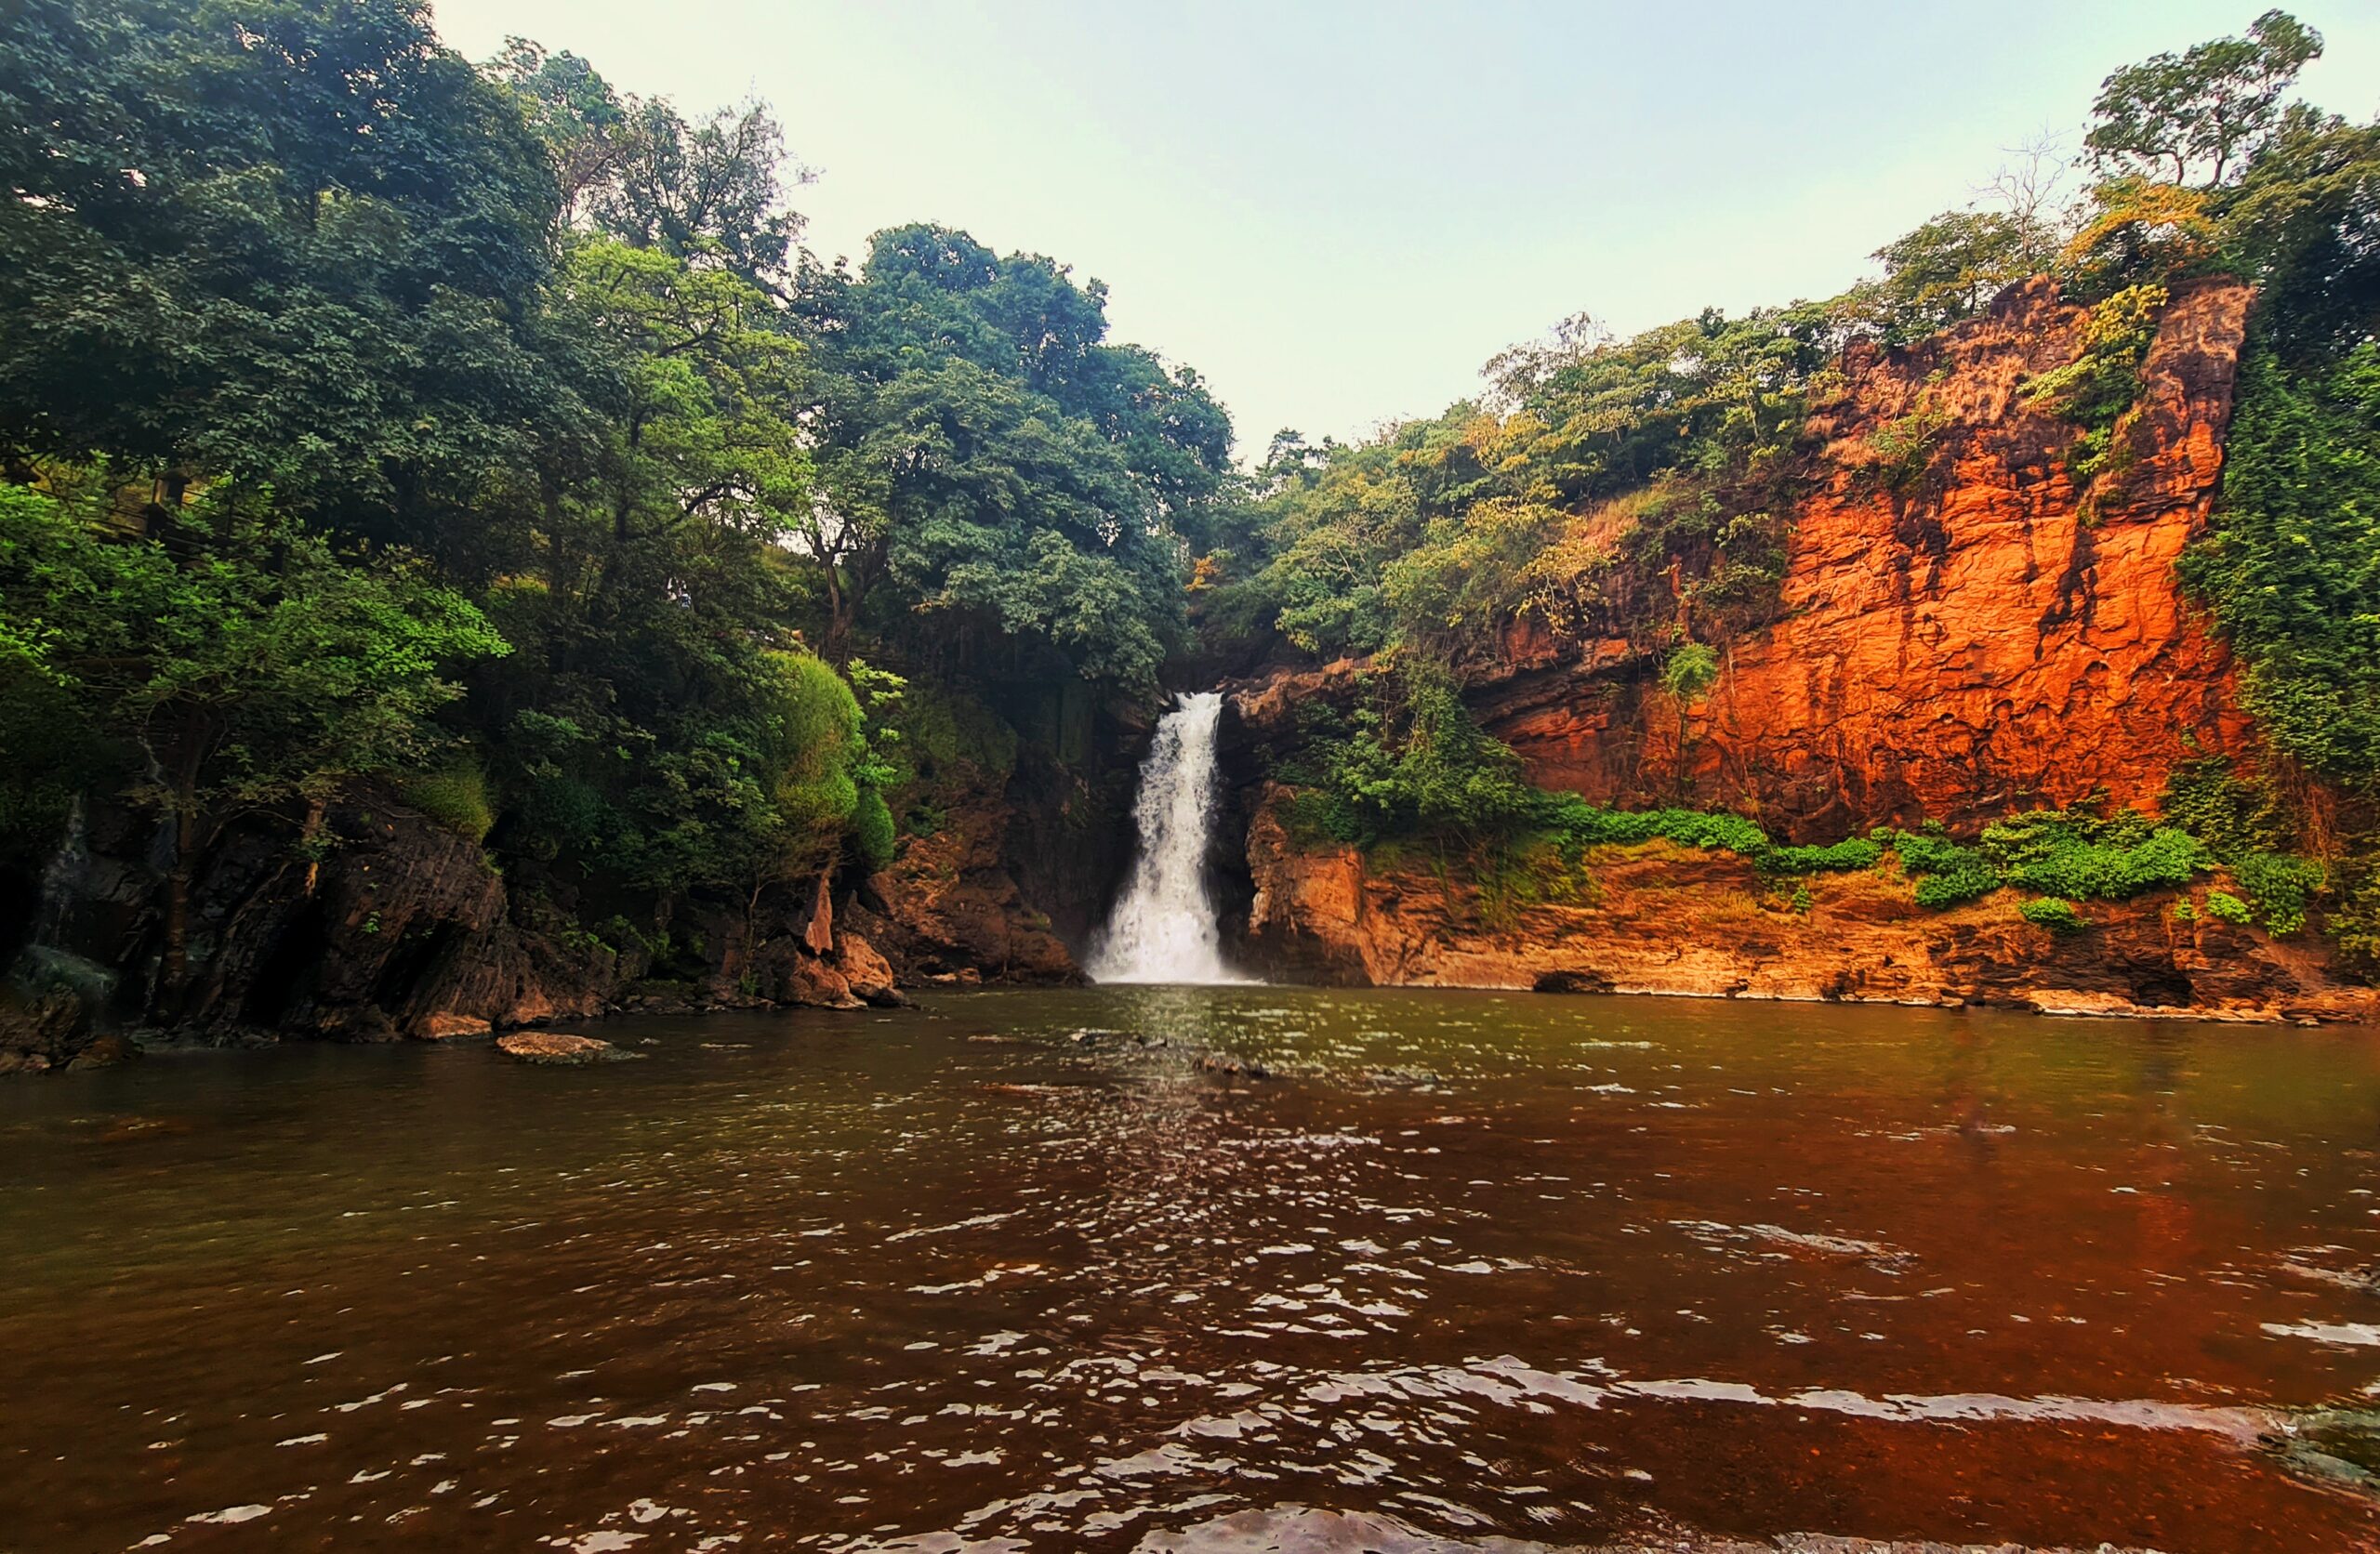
x=1011 y=476
x=2293 y=568
x=1951 y=267
x=279 y=240
x=2197 y=115
x=242 y=657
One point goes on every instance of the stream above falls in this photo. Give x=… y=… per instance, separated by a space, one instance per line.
x=1019 y=1271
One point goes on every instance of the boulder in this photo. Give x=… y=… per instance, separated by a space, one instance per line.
x=868 y=974
x=559 y=1046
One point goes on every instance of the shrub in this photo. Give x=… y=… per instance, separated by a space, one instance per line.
x=1938 y=891
x=1591 y=825
x=1947 y=873
x=872 y=830
x=2229 y=908
x=1904 y=448
x=2081 y=857
x=2279 y=886
x=1690 y=671
x=2184 y=912
x=455 y=798
x=1928 y=851
x=2054 y=915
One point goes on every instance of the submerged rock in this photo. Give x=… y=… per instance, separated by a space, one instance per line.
x=105 y=1050
x=560 y=1046
x=2332 y=1445
x=1230 y=1065
x=1405 y=1079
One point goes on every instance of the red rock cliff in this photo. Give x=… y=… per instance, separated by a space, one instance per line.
x=1977 y=641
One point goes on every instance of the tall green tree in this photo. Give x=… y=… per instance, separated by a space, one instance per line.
x=280 y=240
x=2196 y=116
x=988 y=457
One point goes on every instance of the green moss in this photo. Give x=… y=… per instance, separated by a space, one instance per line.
x=2229 y=908
x=942 y=731
x=872 y=831
x=455 y=798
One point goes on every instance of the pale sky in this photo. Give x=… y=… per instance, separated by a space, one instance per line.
x=1337 y=212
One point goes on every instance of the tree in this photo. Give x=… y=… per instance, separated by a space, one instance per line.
x=1691 y=671
x=575 y=111
x=2305 y=224
x=988 y=457
x=2204 y=110
x=1953 y=266
x=285 y=240
x=242 y=660
x=716 y=187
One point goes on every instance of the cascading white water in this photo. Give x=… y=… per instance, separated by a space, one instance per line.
x=1163 y=927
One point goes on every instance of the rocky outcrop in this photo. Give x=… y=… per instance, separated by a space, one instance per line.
x=948 y=907
x=402 y=929
x=1975 y=634
x=1658 y=918
x=399 y=929
x=1953 y=644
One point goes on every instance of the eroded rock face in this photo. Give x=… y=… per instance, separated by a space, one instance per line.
x=948 y=904
x=403 y=930
x=1973 y=640
x=1978 y=638
x=1658 y=918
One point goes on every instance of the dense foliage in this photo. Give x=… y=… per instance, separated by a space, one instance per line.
x=485 y=432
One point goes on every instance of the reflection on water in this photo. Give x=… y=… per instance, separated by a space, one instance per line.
x=1020 y=1271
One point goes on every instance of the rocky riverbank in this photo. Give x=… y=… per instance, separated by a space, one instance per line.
x=402 y=929
x=1659 y=918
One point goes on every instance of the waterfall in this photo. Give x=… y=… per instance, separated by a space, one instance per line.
x=45 y=962
x=1163 y=927
x=63 y=880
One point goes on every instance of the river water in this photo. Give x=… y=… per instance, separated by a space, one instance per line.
x=1467 y=1271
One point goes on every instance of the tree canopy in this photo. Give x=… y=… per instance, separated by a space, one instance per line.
x=515 y=451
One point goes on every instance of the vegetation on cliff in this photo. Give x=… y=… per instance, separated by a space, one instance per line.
x=484 y=431
x=1640 y=493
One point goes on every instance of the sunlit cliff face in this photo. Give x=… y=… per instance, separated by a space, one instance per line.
x=1984 y=638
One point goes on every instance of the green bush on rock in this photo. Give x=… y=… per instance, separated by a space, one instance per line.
x=2229 y=908
x=2054 y=915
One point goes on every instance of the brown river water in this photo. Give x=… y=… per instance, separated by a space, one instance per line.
x=1467 y=1273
